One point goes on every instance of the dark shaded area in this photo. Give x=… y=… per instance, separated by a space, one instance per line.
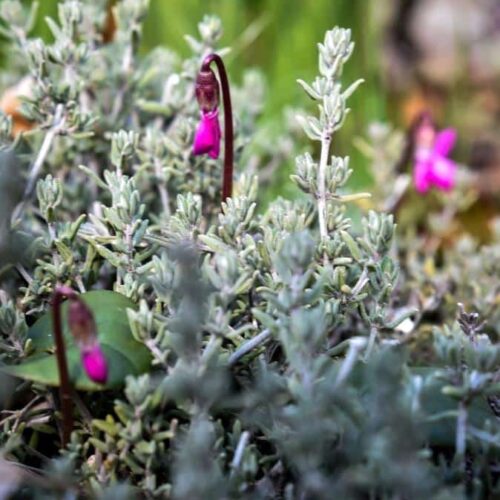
x=10 y=194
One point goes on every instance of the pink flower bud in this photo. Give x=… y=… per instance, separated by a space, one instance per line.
x=207 y=137
x=95 y=365
x=81 y=322
x=207 y=90
x=82 y=325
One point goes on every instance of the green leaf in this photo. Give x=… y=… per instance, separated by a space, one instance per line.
x=439 y=409
x=352 y=245
x=309 y=90
x=435 y=401
x=125 y=355
x=153 y=107
x=111 y=257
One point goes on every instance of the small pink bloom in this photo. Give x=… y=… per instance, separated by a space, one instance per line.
x=445 y=141
x=94 y=363
x=443 y=173
x=421 y=176
x=207 y=136
x=432 y=167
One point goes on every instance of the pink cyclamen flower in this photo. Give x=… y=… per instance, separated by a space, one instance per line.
x=83 y=328
x=207 y=136
x=432 y=166
x=94 y=363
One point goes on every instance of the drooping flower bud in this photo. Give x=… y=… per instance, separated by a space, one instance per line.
x=82 y=326
x=207 y=90
x=95 y=365
x=207 y=136
x=81 y=322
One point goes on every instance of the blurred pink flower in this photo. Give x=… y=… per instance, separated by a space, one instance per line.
x=82 y=326
x=207 y=136
x=95 y=364
x=432 y=166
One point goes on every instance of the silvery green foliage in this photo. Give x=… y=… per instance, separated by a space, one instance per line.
x=277 y=371
x=323 y=180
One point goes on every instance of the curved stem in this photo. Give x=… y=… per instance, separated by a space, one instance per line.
x=64 y=383
x=227 y=183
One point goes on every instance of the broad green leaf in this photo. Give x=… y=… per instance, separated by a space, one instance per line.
x=440 y=422
x=442 y=432
x=125 y=355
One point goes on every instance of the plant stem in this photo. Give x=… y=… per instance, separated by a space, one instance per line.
x=371 y=341
x=44 y=150
x=461 y=437
x=64 y=383
x=360 y=284
x=227 y=183
x=249 y=346
x=355 y=346
x=240 y=448
x=57 y=125
x=325 y=150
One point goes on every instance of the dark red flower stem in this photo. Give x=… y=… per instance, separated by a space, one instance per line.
x=65 y=389
x=227 y=183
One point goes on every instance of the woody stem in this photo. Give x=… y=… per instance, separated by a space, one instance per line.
x=64 y=383
x=227 y=183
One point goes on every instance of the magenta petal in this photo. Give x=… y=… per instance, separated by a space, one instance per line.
x=215 y=150
x=207 y=136
x=421 y=176
x=445 y=140
x=95 y=365
x=443 y=173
